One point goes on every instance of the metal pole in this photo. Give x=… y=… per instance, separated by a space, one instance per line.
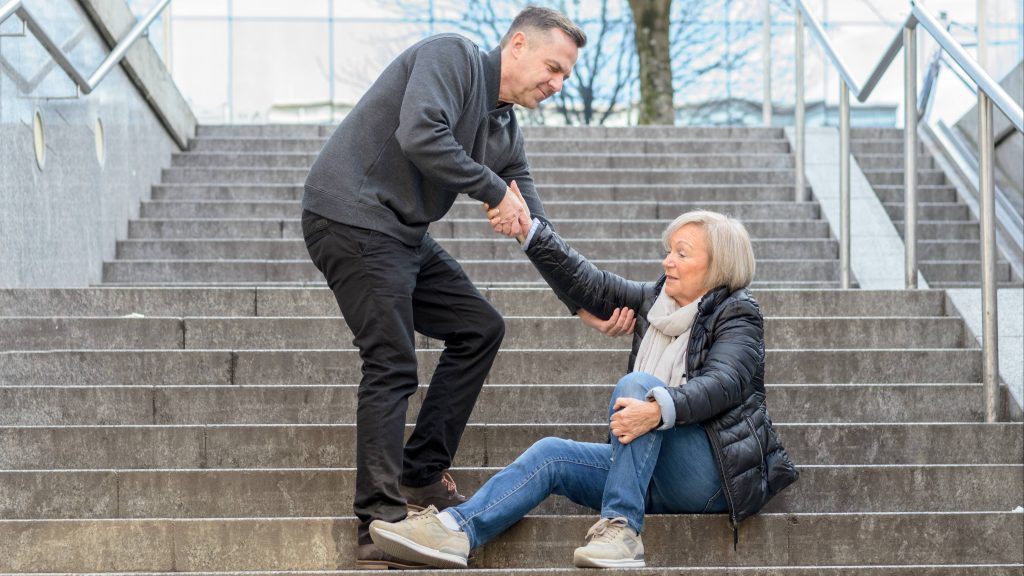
x=766 y=57
x=910 y=156
x=844 y=185
x=798 y=109
x=989 y=303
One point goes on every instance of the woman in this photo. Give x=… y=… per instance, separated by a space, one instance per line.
x=689 y=429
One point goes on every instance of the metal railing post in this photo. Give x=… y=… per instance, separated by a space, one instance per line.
x=766 y=57
x=844 y=185
x=798 y=108
x=910 y=156
x=989 y=302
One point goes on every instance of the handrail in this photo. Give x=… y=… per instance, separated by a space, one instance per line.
x=989 y=93
x=918 y=15
x=986 y=83
x=84 y=85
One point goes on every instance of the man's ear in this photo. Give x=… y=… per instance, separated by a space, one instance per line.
x=518 y=43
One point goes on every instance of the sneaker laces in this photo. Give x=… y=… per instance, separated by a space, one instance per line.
x=606 y=529
x=422 y=514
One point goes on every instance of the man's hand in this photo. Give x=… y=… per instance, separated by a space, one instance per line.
x=622 y=321
x=498 y=215
x=634 y=418
x=506 y=217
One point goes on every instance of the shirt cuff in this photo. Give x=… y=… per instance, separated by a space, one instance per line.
x=529 y=237
x=668 y=407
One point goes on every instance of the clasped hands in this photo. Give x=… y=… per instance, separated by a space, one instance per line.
x=511 y=217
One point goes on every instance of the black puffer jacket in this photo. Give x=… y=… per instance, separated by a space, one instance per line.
x=724 y=391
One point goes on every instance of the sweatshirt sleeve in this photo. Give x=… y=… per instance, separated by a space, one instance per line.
x=518 y=169
x=440 y=79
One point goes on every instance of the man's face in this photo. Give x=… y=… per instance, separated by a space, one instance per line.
x=542 y=61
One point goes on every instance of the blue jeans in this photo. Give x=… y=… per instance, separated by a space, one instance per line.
x=662 y=472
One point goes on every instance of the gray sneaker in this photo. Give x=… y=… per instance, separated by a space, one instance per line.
x=421 y=537
x=611 y=543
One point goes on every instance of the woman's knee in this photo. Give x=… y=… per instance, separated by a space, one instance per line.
x=546 y=448
x=635 y=385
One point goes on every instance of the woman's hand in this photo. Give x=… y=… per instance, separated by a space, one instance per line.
x=622 y=321
x=634 y=418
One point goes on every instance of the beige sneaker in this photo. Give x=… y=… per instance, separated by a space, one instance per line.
x=611 y=543
x=421 y=537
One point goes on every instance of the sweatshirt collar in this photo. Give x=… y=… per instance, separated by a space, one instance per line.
x=492 y=80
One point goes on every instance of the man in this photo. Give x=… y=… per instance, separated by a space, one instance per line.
x=437 y=123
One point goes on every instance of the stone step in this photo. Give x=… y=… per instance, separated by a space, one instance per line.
x=312 y=131
x=332 y=445
x=48 y=405
x=328 y=543
x=939 y=229
x=542 y=177
x=257 y=145
x=547 y=366
x=544 y=145
x=647 y=210
x=202 y=271
x=957 y=284
x=653 y=132
x=895 y=177
x=892 y=194
x=710 y=158
x=551 y=192
x=321 y=492
x=770 y=272
x=891 y=147
x=962 y=271
x=612 y=146
x=876 y=133
x=760 y=284
x=849 y=570
x=472 y=249
x=566 y=332
x=459 y=228
x=948 y=249
x=931 y=211
x=265 y=301
x=882 y=161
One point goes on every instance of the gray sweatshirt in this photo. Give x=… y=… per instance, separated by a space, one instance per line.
x=428 y=129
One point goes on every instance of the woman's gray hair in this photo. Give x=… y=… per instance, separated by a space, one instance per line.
x=540 y=18
x=730 y=254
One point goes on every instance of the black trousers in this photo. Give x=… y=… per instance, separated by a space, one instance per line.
x=387 y=291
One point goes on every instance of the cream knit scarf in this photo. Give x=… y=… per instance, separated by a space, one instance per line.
x=662 y=352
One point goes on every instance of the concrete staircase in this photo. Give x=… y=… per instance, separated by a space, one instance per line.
x=195 y=413
x=949 y=251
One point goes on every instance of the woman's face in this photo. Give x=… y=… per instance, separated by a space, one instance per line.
x=686 y=265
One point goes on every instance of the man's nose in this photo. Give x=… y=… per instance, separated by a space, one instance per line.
x=556 y=83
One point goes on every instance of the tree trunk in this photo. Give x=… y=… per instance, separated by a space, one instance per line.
x=651 y=18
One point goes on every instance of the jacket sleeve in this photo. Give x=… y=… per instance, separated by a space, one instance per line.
x=440 y=81
x=585 y=285
x=732 y=362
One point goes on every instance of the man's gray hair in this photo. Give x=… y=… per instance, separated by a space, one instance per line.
x=540 y=18
x=730 y=254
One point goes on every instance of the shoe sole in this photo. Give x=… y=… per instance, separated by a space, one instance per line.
x=407 y=549
x=606 y=563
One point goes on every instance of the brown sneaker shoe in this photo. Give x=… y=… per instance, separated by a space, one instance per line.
x=369 y=557
x=440 y=495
